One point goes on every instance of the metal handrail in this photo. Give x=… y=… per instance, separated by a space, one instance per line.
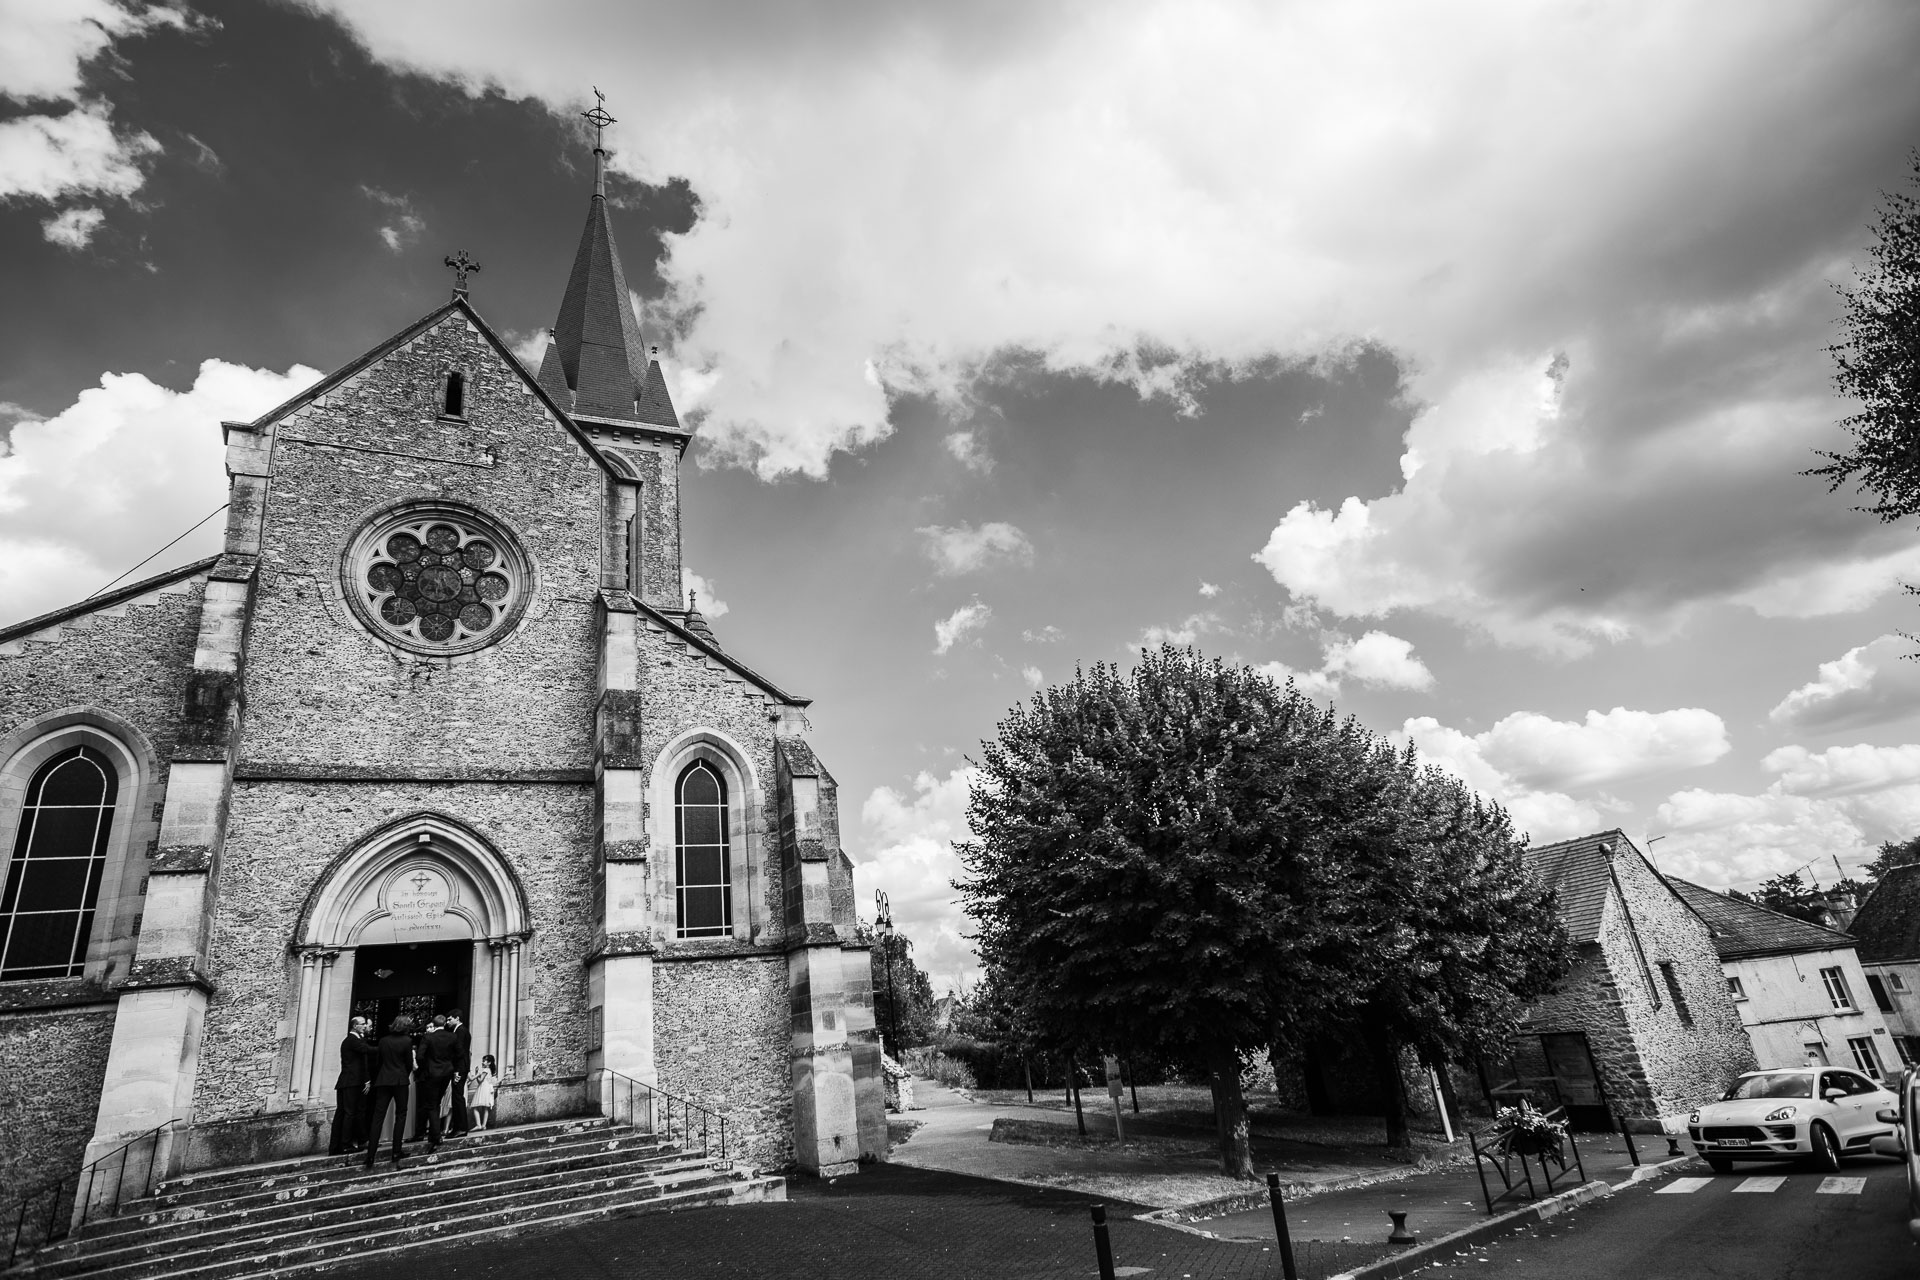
x=81 y=1205
x=638 y=1095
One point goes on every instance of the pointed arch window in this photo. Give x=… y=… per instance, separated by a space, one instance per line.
x=59 y=859
x=703 y=881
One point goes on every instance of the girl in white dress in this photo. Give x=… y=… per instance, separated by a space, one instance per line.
x=482 y=1083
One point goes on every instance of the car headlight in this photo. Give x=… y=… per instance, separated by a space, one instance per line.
x=1694 y=1118
x=1781 y=1113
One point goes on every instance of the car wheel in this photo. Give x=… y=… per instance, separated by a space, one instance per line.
x=1826 y=1150
x=1719 y=1164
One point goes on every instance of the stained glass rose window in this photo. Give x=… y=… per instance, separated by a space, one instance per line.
x=441 y=580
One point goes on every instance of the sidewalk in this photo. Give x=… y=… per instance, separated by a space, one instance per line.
x=1437 y=1203
x=1160 y=1166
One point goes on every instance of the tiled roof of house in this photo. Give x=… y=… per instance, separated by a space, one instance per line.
x=1577 y=871
x=1887 y=926
x=1742 y=930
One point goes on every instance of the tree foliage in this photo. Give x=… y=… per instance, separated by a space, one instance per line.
x=1892 y=854
x=1183 y=858
x=1877 y=364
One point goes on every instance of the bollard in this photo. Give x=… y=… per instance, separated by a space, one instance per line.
x=1400 y=1234
x=1280 y=1228
x=1673 y=1147
x=1102 y=1247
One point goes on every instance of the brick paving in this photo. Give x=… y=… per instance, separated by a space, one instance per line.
x=886 y=1223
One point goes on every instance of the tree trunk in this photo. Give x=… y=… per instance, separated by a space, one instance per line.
x=1230 y=1114
x=1385 y=1051
x=1312 y=1073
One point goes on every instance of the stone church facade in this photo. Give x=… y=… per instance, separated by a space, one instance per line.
x=435 y=728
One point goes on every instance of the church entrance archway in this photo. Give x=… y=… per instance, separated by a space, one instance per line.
x=419 y=979
x=420 y=917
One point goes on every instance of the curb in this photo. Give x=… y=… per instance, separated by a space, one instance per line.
x=1203 y=1209
x=1395 y=1264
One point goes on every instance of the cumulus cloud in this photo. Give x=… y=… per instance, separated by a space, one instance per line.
x=710 y=603
x=964 y=549
x=69 y=145
x=1048 y=634
x=1839 y=803
x=1867 y=685
x=1544 y=770
x=1209 y=589
x=1181 y=634
x=957 y=626
x=405 y=223
x=93 y=490
x=74 y=228
x=967 y=447
x=910 y=858
x=1072 y=181
x=1376 y=659
x=1032 y=676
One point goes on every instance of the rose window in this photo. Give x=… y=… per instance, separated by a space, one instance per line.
x=438 y=581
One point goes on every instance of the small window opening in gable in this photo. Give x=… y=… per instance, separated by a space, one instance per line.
x=1736 y=989
x=1672 y=981
x=454 y=404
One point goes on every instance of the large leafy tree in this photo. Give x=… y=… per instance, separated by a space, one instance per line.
x=1154 y=853
x=1877 y=364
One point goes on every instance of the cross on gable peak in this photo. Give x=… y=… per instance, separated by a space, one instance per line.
x=463 y=265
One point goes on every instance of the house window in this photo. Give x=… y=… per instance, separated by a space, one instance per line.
x=1863 y=1055
x=1900 y=1047
x=1736 y=989
x=1897 y=982
x=455 y=404
x=701 y=853
x=1912 y=1045
x=1880 y=997
x=1672 y=979
x=59 y=857
x=1837 y=988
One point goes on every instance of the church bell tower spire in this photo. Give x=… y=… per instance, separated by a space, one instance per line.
x=598 y=364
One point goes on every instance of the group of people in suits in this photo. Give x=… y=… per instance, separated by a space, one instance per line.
x=375 y=1076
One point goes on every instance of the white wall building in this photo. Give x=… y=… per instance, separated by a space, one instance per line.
x=1887 y=932
x=1801 y=989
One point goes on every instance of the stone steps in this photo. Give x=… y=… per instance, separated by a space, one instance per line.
x=298 y=1216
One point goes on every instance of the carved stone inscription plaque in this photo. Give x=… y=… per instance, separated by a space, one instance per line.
x=417 y=901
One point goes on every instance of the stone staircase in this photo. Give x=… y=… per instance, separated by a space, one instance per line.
x=297 y=1217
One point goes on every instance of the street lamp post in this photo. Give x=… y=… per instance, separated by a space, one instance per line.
x=883 y=929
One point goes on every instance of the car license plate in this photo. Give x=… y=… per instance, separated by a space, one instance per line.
x=1732 y=1142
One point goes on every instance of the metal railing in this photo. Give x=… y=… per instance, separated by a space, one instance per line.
x=1499 y=1150
x=653 y=1110
x=55 y=1210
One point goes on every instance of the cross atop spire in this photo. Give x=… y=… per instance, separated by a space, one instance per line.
x=463 y=266
x=598 y=118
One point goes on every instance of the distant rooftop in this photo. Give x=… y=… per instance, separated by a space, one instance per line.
x=1746 y=930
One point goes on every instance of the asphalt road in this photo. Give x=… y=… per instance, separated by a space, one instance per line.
x=1761 y=1222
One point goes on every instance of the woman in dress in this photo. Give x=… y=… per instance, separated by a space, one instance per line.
x=481 y=1103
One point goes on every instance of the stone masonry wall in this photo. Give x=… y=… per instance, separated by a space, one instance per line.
x=129 y=660
x=281 y=836
x=721 y=1038
x=1685 y=1065
x=1588 y=1000
x=52 y=1067
x=321 y=689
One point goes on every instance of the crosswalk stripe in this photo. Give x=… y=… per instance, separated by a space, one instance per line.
x=1761 y=1186
x=1840 y=1187
x=1683 y=1186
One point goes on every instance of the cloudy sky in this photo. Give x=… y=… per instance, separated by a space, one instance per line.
x=1459 y=359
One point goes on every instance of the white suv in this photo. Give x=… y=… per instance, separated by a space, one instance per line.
x=1792 y=1113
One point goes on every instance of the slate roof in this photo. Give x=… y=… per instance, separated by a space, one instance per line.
x=1887 y=926
x=1577 y=871
x=1745 y=930
x=105 y=600
x=597 y=364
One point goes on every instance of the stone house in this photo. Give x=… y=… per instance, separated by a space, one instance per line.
x=1799 y=987
x=1642 y=1026
x=1886 y=931
x=435 y=728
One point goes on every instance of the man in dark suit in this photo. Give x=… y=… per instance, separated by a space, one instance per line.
x=457 y=1120
x=358 y=1058
x=435 y=1073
